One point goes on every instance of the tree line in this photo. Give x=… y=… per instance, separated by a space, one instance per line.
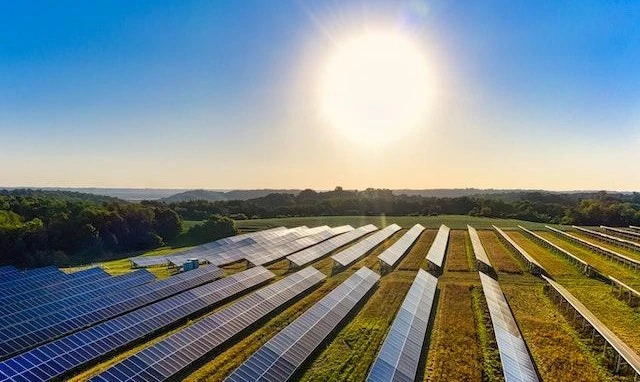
x=593 y=208
x=65 y=228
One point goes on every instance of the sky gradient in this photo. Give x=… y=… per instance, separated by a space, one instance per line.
x=223 y=95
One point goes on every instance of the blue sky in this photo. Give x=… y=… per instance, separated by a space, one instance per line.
x=222 y=95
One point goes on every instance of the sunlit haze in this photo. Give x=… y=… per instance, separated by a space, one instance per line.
x=296 y=94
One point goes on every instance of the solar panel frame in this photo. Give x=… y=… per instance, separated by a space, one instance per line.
x=105 y=338
x=320 y=250
x=280 y=357
x=517 y=363
x=394 y=253
x=25 y=335
x=359 y=249
x=399 y=356
x=167 y=358
x=438 y=248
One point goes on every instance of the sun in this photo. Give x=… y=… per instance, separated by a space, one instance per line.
x=375 y=88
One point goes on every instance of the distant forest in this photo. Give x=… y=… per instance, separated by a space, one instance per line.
x=592 y=208
x=64 y=228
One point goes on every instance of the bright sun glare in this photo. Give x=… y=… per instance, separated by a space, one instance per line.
x=375 y=87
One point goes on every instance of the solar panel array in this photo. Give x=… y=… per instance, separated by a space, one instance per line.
x=254 y=250
x=169 y=357
x=399 y=356
x=611 y=239
x=7 y=269
x=12 y=273
x=33 y=278
x=618 y=345
x=634 y=227
x=478 y=249
x=439 y=246
x=25 y=335
x=81 y=278
x=517 y=365
x=322 y=249
x=598 y=248
x=391 y=255
x=278 y=359
x=60 y=357
x=281 y=251
x=207 y=251
x=28 y=309
x=354 y=252
x=633 y=235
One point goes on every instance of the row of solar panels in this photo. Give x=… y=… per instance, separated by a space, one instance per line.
x=38 y=362
x=611 y=239
x=513 y=351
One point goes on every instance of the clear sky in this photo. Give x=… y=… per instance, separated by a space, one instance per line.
x=215 y=94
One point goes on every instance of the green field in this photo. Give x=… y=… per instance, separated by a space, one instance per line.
x=460 y=344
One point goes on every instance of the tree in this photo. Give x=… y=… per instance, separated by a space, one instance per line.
x=167 y=223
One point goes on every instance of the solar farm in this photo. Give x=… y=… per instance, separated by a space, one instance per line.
x=350 y=302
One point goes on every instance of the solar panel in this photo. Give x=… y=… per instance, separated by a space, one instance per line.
x=439 y=247
x=608 y=238
x=81 y=278
x=31 y=278
x=7 y=269
x=26 y=335
x=278 y=359
x=317 y=251
x=275 y=253
x=478 y=250
x=629 y=234
x=60 y=357
x=248 y=252
x=169 y=357
x=399 y=355
x=517 y=365
x=356 y=251
x=29 y=309
x=392 y=254
x=598 y=248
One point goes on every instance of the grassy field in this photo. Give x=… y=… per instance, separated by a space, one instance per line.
x=502 y=259
x=454 y=338
x=460 y=345
x=622 y=250
x=459 y=252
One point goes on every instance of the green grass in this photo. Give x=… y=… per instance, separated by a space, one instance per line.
x=452 y=221
x=502 y=259
x=454 y=338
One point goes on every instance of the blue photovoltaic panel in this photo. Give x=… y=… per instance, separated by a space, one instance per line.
x=356 y=251
x=391 y=255
x=75 y=279
x=42 y=306
x=31 y=278
x=322 y=249
x=23 y=336
x=517 y=365
x=439 y=246
x=5 y=270
x=58 y=358
x=280 y=357
x=399 y=356
x=167 y=358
